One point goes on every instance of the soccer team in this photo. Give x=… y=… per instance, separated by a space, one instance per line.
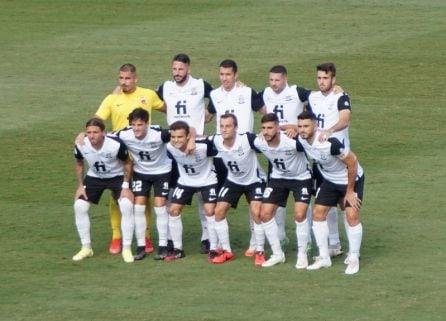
x=304 y=136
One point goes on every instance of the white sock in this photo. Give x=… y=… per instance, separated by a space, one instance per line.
x=270 y=229
x=140 y=224
x=302 y=236
x=281 y=220
x=260 y=237
x=127 y=221
x=82 y=220
x=310 y=223
x=222 y=230
x=252 y=240
x=355 y=239
x=202 y=217
x=320 y=230
x=176 y=231
x=333 y=231
x=213 y=238
x=162 y=224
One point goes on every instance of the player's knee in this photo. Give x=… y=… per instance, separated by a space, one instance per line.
x=126 y=206
x=81 y=206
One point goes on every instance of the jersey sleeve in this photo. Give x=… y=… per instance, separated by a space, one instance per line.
x=77 y=153
x=262 y=101
x=157 y=103
x=251 y=138
x=165 y=135
x=104 y=110
x=123 y=153
x=256 y=101
x=211 y=107
x=159 y=92
x=337 y=148
x=207 y=89
x=303 y=93
x=344 y=102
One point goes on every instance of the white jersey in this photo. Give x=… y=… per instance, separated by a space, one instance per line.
x=240 y=101
x=106 y=162
x=287 y=104
x=327 y=157
x=186 y=102
x=149 y=154
x=240 y=159
x=327 y=108
x=197 y=169
x=287 y=162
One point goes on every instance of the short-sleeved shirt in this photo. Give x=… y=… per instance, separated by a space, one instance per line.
x=119 y=106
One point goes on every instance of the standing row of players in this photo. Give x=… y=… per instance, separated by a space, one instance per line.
x=285 y=101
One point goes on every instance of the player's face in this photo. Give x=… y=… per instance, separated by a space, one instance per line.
x=306 y=128
x=228 y=78
x=180 y=72
x=139 y=128
x=227 y=128
x=277 y=82
x=270 y=131
x=96 y=135
x=325 y=81
x=127 y=81
x=179 y=139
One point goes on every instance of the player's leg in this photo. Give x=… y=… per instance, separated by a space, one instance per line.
x=140 y=227
x=255 y=209
x=280 y=218
x=208 y=195
x=334 y=242
x=148 y=218
x=320 y=230
x=204 y=246
x=222 y=230
x=127 y=227
x=176 y=231
x=161 y=192
x=302 y=233
x=271 y=232
x=252 y=240
x=115 y=221
x=82 y=221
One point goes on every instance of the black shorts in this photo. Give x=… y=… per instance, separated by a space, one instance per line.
x=94 y=187
x=231 y=192
x=329 y=194
x=183 y=194
x=278 y=190
x=141 y=184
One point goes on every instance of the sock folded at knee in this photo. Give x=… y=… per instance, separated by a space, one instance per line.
x=140 y=224
x=320 y=230
x=162 y=224
x=271 y=233
x=222 y=230
x=127 y=221
x=82 y=220
x=176 y=231
x=213 y=238
x=302 y=236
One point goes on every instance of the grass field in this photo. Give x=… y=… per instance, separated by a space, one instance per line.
x=58 y=60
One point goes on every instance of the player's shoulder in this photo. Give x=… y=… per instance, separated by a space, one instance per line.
x=145 y=91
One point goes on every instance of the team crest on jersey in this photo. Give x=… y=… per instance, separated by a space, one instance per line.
x=193 y=91
x=143 y=100
x=289 y=152
x=324 y=156
x=108 y=155
x=240 y=151
x=241 y=99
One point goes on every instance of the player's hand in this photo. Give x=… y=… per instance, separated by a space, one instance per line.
x=117 y=90
x=239 y=84
x=79 y=140
x=337 y=89
x=352 y=199
x=191 y=146
x=80 y=191
x=291 y=132
x=324 y=135
x=127 y=193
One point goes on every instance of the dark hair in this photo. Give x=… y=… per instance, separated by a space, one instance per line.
x=139 y=113
x=327 y=67
x=181 y=57
x=178 y=125
x=128 y=67
x=269 y=117
x=232 y=116
x=96 y=122
x=229 y=63
x=279 y=69
x=307 y=114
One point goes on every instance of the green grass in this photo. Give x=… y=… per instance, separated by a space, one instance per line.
x=60 y=58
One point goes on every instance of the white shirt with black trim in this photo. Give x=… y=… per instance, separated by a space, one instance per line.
x=197 y=169
x=106 y=162
x=327 y=108
x=328 y=158
x=149 y=154
x=186 y=102
x=240 y=159
x=287 y=162
x=287 y=104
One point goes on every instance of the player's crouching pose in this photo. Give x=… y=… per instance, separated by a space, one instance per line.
x=290 y=173
x=109 y=168
x=343 y=183
x=196 y=175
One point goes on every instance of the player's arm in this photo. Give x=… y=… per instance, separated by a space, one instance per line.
x=257 y=103
x=290 y=130
x=191 y=146
x=128 y=170
x=210 y=111
x=351 y=161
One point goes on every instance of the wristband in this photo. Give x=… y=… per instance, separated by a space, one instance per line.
x=125 y=185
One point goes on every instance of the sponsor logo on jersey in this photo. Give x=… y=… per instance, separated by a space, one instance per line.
x=241 y=100
x=143 y=100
